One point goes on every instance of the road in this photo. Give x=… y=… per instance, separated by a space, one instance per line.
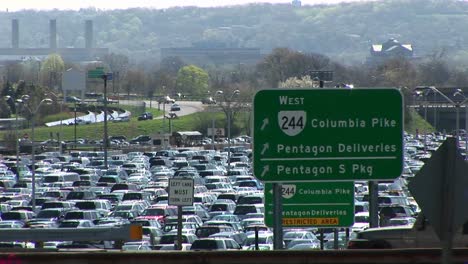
x=186 y=107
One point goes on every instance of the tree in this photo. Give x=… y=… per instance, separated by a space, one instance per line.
x=51 y=70
x=294 y=82
x=192 y=80
x=284 y=63
x=135 y=82
x=117 y=63
x=434 y=72
x=5 y=110
x=172 y=65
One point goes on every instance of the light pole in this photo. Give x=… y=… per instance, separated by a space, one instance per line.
x=46 y=101
x=18 y=104
x=57 y=98
x=228 y=101
x=453 y=103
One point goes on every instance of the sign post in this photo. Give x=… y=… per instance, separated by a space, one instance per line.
x=328 y=134
x=180 y=193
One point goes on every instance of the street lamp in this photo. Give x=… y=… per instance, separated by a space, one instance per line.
x=18 y=104
x=57 y=98
x=228 y=101
x=46 y=101
x=455 y=104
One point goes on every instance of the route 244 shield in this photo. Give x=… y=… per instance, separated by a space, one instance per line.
x=292 y=122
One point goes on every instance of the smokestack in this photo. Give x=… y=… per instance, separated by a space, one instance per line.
x=15 y=33
x=53 y=34
x=89 y=34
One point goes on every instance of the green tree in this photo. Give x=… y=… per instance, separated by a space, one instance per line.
x=284 y=63
x=51 y=70
x=294 y=82
x=192 y=80
x=172 y=65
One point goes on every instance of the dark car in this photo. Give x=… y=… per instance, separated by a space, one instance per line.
x=142 y=139
x=145 y=116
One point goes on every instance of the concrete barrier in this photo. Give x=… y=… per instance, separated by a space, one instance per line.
x=236 y=257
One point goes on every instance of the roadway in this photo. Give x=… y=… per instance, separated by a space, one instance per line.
x=186 y=108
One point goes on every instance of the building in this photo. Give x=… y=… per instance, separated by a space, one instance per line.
x=390 y=49
x=215 y=55
x=87 y=53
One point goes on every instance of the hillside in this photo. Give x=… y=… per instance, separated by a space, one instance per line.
x=343 y=32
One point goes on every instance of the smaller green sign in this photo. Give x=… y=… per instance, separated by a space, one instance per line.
x=313 y=204
x=97 y=73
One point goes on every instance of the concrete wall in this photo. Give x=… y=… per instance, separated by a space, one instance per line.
x=235 y=257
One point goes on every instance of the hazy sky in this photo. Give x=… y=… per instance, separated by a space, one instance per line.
x=15 y=5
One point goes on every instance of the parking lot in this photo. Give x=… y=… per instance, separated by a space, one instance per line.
x=75 y=190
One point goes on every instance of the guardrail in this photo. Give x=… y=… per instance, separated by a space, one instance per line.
x=428 y=256
x=123 y=233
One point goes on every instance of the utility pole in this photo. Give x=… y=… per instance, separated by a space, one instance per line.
x=105 y=141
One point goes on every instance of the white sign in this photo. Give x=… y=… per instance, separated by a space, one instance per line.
x=73 y=80
x=181 y=191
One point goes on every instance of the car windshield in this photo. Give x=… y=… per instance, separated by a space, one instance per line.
x=293 y=235
x=85 y=205
x=69 y=224
x=153 y=212
x=48 y=214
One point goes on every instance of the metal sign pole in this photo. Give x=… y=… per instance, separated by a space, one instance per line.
x=447 y=200
x=278 y=217
x=105 y=121
x=179 y=228
x=374 y=204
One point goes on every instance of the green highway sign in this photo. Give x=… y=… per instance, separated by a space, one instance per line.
x=318 y=204
x=97 y=73
x=303 y=135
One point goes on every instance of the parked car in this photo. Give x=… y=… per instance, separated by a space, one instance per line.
x=208 y=100
x=175 y=107
x=145 y=116
x=215 y=244
x=141 y=139
x=166 y=100
x=72 y=99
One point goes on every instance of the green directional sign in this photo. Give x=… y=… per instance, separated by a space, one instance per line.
x=96 y=73
x=303 y=135
x=318 y=204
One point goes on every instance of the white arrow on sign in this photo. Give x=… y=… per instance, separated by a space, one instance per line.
x=265 y=123
x=266 y=168
x=265 y=147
